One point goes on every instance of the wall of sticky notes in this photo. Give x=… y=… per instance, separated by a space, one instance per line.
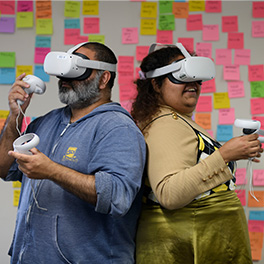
x=229 y=32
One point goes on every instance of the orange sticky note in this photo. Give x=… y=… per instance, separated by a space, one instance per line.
x=43 y=9
x=252 y=202
x=203 y=120
x=256 y=243
x=180 y=9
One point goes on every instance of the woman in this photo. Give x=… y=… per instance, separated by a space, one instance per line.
x=191 y=213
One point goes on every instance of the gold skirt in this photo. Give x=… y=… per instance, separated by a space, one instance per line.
x=211 y=230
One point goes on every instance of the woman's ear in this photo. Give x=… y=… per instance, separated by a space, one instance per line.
x=155 y=85
x=104 y=79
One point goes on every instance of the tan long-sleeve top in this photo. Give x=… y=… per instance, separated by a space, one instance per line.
x=174 y=174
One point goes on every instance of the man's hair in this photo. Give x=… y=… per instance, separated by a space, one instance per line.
x=105 y=54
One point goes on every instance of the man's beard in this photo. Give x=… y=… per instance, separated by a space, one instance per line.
x=82 y=93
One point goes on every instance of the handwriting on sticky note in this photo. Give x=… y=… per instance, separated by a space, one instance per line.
x=204 y=104
x=180 y=9
x=141 y=52
x=224 y=133
x=165 y=36
x=221 y=100
x=223 y=57
x=231 y=72
x=210 y=32
x=229 y=23
x=258 y=177
x=148 y=9
x=148 y=27
x=194 y=22
x=203 y=120
x=126 y=64
x=236 y=89
x=213 y=6
x=255 y=72
x=257 y=106
x=130 y=35
x=91 y=25
x=235 y=40
x=258 y=29
x=254 y=203
x=241 y=176
x=226 y=116
x=242 y=56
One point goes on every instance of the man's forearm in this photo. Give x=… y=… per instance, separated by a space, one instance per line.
x=7 y=137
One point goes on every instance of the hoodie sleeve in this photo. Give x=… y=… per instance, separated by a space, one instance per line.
x=120 y=159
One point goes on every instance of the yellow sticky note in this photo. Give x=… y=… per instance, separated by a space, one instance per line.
x=44 y=26
x=4 y=114
x=97 y=38
x=148 y=9
x=221 y=100
x=195 y=5
x=72 y=9
x=90 y=8
x=28 y=69
x=24 y=20
x=148 y=27
x=16 y=184
x=16 y=197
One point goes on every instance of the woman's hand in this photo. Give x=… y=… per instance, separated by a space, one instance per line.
x=242 y=147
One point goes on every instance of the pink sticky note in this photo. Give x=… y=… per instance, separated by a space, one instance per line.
x=231 y=72
x=72 y=36
x=165 y=36
x=223 y=57
x=241 y=194
x=204 y=49
x=258 y=9
x=255 y=73
x=126 y=77
x=141 y=52
x=7 y=7
x=260 y=119
x=188 y=43
x=25 y=123
x=235 y=40
x=242 y=56
x=204 y=104
x=236 y=89
x=91 y=25
x=256 y=226
x=213 y=6
x=127 y=91
x=125 y=63
x=127 y=104
x=229 y=24
x=241 y=176
x=258 y=177
x=194 y=22
x=258 y=29
x=40 y=54
x=130 y=35
x=210 y=32
x=208 y=86
x=226 y=116
x=24 y=6
x=257 y=106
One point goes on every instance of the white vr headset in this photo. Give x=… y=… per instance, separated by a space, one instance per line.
x=73 y=65
x=189 y=69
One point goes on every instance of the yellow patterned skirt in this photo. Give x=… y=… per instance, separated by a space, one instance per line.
x=211 y=230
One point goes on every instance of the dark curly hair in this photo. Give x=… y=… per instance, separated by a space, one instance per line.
x=146 y=104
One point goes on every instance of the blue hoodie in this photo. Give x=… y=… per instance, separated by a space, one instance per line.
x=57 y=226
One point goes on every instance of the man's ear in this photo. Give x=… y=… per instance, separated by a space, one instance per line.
x=104 y=79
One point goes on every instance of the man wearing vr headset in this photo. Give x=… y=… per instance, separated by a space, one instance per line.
x=191 y=213
x=80 y=196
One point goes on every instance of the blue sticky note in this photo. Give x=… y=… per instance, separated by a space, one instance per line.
x=39 y=72
x=256 y=215
x=43 y=42
x=72 y=23
x=224 y=133
x=7 y=75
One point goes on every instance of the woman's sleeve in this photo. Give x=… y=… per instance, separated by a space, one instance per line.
x=174 y=175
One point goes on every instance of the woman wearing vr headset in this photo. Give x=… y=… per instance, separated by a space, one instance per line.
x=191 y=213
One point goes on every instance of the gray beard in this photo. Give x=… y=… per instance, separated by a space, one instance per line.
x=82 y=93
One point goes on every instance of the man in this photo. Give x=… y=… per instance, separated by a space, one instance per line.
x=80 y=194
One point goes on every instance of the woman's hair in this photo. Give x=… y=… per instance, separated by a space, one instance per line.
x=146 y=104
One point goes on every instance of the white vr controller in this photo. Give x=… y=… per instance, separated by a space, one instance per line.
x=36 y=86
x=26 y=142
x=250 y=127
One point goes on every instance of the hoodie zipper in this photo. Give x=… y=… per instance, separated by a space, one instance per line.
x=61 y=134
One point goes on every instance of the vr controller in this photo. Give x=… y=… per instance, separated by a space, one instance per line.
x=26 y=142
x=250 y=127
x=36 y=86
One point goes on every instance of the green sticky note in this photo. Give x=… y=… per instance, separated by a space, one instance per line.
x=257 y=89
x=44 y=26
x=167 y=22
x=24 y=20
x=72 y=9
x=97 y=38
x=7 y=59
x=165 y=7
